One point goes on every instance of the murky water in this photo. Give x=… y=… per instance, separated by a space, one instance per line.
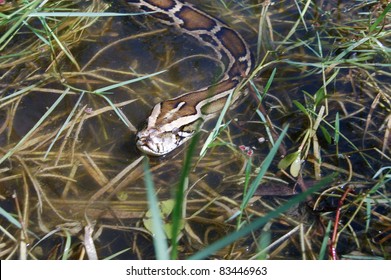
x=91 y=173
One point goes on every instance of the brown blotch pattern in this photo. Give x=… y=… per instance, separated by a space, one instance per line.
x=164 y=4
x=232 y=42
x=193 y=20
x=239 y=69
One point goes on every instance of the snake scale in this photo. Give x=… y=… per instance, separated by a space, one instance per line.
x=172 y=122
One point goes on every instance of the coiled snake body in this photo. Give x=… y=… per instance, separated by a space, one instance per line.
x=174 y=121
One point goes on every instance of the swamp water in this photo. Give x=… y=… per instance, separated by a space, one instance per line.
x=70 y=169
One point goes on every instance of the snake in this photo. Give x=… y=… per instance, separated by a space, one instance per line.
x=174 y=121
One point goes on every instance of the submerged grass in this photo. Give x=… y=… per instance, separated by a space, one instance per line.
x=73 y=186
x=258 y=223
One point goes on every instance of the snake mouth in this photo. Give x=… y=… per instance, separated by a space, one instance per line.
x=154 y=145
x=145 y=145
x=160 y=144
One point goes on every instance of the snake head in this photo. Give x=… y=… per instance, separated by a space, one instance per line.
x=157 y=142
x=165 y=131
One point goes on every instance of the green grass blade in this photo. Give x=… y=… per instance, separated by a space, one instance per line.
x=268 y=131
x=20 y=92
x=117 y=254
x=245 y=189
x=266 y=88
x=380 y=184
x=294 y=27
x=10 y=218
x=64 y=125
x=41 y=120
x=337 y=131
x=102 y=92
x=105 y=90
x=235 y=236
x=325 y=242
x=269 y=81
x=260 y=97
x=264 y=242
x=159 y=237
x=368 y=213
x=180 y=195
x=381 y=170
x=216 y=130
x=380 y=18
x=340 y=135
x=67 y=247
x=15 y=26
x=300 y=107
x=265 y=166
x=365 y=257
x=115 y=109
x=339 y=58
x=37 y=33
x=82 y=14
x=52 y=34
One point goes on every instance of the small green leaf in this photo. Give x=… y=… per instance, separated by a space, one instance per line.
x=295 y=166
x=319 y=96
x=326 y=134
x=269 y=82
x=165 y=208
x=300 y=107
x=288 y=160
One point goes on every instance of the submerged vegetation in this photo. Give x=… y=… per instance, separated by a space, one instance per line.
x=300 y=169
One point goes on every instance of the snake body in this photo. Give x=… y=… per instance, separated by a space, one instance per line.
x=172 y=122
